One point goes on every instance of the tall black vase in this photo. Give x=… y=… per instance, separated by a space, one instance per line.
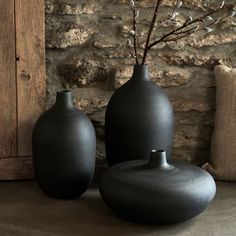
x=64 y=147
x=139 y=118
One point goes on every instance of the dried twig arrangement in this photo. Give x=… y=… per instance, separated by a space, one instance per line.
x=189 y=27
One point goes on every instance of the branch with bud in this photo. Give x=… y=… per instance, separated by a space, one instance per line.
x=134 y=31
x=189 y=27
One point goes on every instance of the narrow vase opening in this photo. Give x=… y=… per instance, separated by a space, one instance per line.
x=158 y=160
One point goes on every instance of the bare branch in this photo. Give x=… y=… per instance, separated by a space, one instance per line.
x=193 y=29
x=172 y=16
x=135 y=15
x=182 y=34
x=150 y=31
x=129 y=44
x=176 y=5
x=179 y=31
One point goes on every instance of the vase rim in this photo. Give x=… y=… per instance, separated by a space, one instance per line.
x=157 y=151
x=64 y=92
x=141 y=65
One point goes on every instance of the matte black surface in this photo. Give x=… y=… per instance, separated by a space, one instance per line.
x=139 y=118
x=155 y=192
x=64 y=147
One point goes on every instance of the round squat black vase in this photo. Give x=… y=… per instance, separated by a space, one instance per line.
x=155 y=191
x=64 y=147
x=139 y=118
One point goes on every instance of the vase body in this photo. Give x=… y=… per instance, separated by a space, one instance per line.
x=139 y=118
x=155 y=191
x=64 y=147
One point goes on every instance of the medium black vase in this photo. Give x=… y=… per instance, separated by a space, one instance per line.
x=155 y=191
x=139 y=118
x=64 y=147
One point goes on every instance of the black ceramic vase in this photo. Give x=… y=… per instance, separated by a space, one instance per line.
x=155 y=191
x=139 y=118
x=64 y=147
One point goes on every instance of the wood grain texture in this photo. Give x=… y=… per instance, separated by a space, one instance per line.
x=8 y=129
x=30 y=49
x=16 y=168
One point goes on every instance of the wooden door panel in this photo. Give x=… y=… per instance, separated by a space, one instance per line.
x=8 y=127
x=30 y=68
x=22 y=83
x=16 y=168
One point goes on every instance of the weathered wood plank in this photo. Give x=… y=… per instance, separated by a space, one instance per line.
x=30 y=50
x=16 y=168
x=8 y=122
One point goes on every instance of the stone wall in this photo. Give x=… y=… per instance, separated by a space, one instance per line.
x=86 y=53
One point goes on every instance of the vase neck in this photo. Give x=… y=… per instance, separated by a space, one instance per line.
x=158 y=160
x=64 y=101
x=140 y=73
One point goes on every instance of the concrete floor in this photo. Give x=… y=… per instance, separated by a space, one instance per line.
x=25 y=211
